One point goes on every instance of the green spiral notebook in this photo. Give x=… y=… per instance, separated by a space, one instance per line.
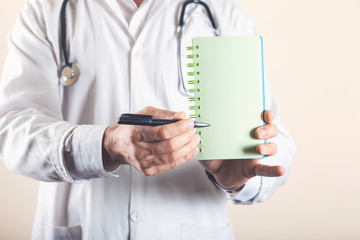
x=228 y=92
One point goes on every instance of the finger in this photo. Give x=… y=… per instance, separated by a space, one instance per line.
x=188 y=148
x=267 y=149
x=166 y=167
x=169 y=145
x=179 y=115
x=268 y=116
x=269 y=171
x=160 y=133
x=161 y=113
x=267 y=131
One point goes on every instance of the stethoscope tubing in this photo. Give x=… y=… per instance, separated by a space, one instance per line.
x=63 y=32
x=207 y=9
x=74 y=69
x=179 y=36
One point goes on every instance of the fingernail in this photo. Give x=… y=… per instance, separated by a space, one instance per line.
x=190 y=124
x=198 y=139
x=196 y=151
x=262 y=133
x=264 y=149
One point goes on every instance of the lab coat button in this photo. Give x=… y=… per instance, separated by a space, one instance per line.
x=136 y=216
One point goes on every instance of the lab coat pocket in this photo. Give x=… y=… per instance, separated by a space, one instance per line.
x=199 y=232
x=78 y=232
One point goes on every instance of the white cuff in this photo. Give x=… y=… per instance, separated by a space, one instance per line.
x=250 y=191
x=57 y=146
x=84 y=153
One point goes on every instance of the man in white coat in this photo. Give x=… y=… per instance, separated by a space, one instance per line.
x=106 y=181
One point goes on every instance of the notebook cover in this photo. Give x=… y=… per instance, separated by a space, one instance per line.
x=232 y=96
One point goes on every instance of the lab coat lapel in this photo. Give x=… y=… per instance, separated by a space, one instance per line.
x=116 y=7
x=152 y=9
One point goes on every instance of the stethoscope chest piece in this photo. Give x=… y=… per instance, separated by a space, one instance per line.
x=70 y=75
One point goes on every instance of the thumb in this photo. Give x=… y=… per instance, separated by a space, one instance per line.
x=161 y=113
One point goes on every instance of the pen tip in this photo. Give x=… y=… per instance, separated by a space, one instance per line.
x=201 y=125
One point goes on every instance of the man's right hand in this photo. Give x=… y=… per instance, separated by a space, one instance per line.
x=151 y=150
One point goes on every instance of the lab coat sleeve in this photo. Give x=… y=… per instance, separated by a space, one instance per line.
x=236 y=22
x=34 y=141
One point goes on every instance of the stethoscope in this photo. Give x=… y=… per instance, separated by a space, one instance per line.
x=71 y=71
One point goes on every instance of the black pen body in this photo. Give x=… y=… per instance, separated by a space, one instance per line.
x=147 y=122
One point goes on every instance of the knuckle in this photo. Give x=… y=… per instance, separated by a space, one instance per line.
x=166 y=114
x=184 y=126
x=170 y=145
x=190 y=136
x=160 y=160
x=172 y=157
x=187 y=125
x=174 y=164
x=139 y=153
x=189 y=156
x=142 y=136
x=145 y=164
x=136 y=135
x=162 y=133
x=148 y=109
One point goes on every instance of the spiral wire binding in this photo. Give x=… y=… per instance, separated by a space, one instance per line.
x=195 y=82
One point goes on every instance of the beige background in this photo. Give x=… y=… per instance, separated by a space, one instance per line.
x=312 y=52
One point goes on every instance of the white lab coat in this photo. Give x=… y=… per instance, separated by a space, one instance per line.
x=54 y=134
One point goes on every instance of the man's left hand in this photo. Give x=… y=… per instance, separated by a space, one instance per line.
x=235 y=173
